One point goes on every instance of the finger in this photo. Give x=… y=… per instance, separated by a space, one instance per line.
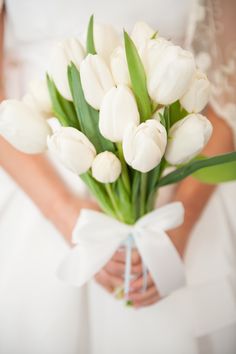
x=143 y=296
x=108 y=281
x=120 y=256
x=102 y=280
x=118 y=269
x=137 y=284
x=151 y=301
x=115 y=268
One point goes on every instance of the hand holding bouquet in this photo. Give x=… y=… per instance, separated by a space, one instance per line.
x=127 y=110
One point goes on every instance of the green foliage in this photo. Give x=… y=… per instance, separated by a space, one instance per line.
x=176 y=112
x=87 y=116
x=138 y=79
x=217 y=174
x=90 y=39
x=194 y=166
x=62 y=108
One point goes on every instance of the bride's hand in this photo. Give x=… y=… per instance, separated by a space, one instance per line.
x=112 y=276
x=142 y=298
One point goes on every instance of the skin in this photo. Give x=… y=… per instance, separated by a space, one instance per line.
x=53 y=198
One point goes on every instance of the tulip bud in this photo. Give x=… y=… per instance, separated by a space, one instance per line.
x=144 y=145
x=38 y=98
x=73 y=149
x=119 y=67
x=65 y=52
x=141 y=33
x=187 y=138
x=106 y=167
x=118 y=109
x=197 y=96
x=170 y=77
x=151 y=51
x=106 y=39
x=96 y=79
x=23 y=127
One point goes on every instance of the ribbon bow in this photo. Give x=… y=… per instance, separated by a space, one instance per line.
x=97 y=237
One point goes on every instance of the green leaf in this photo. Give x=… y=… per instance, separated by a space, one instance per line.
x=135 y=197
x=217 y=174
x=194 y=166
x=124 y=201
x=90 y=40
x=88 y=117
x=176 y=112
x=167 y=118
x=62 y=109
x=138 y=79
x=99 y=192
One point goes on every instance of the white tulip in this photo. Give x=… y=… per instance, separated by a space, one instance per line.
x=144 y=146
x=170 y=77
x=23 y=127
x=187 y=138
x=119 y=67
x=141 y=33
x=118 y=109
x=106 y=167
x=106 y=39
x=197 y=96
x=96 y=79
x=38 y=98
x=73 y=149
x=63 y=53
x=150 y=52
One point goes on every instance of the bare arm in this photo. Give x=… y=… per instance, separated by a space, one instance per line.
x=35 y=175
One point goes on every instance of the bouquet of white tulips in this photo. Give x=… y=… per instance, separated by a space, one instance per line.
x=128 y=109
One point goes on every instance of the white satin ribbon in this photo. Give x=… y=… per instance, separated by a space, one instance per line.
x=98 y=236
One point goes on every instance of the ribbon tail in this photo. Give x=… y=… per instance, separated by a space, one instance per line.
x=84 y=261
x=162 y=260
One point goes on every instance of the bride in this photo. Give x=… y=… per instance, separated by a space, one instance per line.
x=38 y=209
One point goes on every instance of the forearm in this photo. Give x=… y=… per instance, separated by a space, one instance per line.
x=35 y=175
x=193 y=194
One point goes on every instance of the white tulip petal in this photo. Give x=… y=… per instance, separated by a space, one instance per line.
x=119 y=67
x=96 y=79
x=106 y=167
x=141 y=33
x=118 y=109
x=187 y=138
x=38 y=98
x=171 y=77
x=63 y=53
x=73 y=149
x=197 y=96
x=106 y=39
x=23 y=127
x=144 y=146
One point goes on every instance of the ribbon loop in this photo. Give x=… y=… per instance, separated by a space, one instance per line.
x=98 y=236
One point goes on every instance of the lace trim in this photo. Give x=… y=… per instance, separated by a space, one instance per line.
x=211 y=36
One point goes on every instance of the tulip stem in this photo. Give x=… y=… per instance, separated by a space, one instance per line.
x=113 y=201
x=124 y=173
x=143 y=191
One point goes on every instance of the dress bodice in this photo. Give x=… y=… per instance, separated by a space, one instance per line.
x=31 y=20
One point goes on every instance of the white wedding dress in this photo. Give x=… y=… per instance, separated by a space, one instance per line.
x=41 y=315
